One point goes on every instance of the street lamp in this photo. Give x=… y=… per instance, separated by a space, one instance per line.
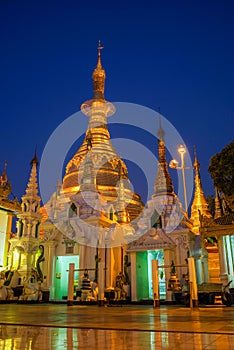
x=174 y=165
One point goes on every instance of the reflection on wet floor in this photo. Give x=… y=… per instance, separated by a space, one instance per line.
x=47 y=338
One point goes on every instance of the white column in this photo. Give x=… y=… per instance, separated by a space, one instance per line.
x=101 y=287
x=101 y=268
x=193 y=281
x=199 y=271
x=229 y=255
x=180 y=256
x=232 y=245
x=8 y=235
x=155 y=283
x=168 y=257
x=133 y=276
x=205 y=268
x=70 y=297
x=81 y=262
x=222 y=260
x=50 y=267
x=108 y=265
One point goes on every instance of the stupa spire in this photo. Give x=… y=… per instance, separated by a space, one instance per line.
x=32 y=187
x=199 y=205
x=163 y=183
x=5 y=185
x=98 y=108
x=30 y=218
x=97 y=156
x=99 y=76
x=3 y=177
x=28 y=224
x=161 y=132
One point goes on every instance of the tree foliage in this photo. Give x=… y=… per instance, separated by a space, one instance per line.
x=221 y=169
x=211 y=202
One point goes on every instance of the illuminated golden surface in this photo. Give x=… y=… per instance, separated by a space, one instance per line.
x=199 y=205
x=42 y=338
x=46 y=327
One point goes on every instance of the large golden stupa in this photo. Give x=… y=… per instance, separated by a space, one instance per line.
x=109 y=168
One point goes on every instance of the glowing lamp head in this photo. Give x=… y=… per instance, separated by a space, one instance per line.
x=173 y=164
x=181 y=149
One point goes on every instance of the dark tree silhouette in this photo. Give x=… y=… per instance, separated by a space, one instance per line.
x=221 y=170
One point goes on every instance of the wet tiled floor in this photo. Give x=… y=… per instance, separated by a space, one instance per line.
x=44 y=338
x=45 y=327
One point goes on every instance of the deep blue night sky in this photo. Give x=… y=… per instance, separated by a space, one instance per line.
x=178 y=55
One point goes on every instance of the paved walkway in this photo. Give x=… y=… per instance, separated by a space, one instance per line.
x=47 y=326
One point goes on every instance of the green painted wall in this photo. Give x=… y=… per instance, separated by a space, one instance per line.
x=142 y=275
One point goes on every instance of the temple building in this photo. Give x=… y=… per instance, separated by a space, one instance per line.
x=161 y=234
x=218 y=235
x=95 y=221
x=88 y=219
x=8 y=210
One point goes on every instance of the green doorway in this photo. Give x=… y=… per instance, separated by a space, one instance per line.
x=144 y=274
x=61 y=275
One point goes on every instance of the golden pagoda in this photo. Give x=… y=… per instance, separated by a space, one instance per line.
x=107 y=163
x=199 y=205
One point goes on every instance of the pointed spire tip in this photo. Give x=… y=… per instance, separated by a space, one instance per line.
x=196 y=163
x=34 y=160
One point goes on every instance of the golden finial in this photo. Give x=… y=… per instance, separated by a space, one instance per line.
x=196 y=163
x=34 y=160
x=160 y=133
x=3 y=178
x=99 y=76
x=58 y=184
x=5 y=165
x=100 y=47
x=5 y=186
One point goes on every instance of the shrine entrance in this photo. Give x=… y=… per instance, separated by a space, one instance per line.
x=61 y=275
x=144 y=274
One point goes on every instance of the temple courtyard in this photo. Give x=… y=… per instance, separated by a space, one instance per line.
x=58 y=326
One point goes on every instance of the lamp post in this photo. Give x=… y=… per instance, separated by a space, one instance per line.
x=174 y=165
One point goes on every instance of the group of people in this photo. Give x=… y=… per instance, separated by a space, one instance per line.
x=9 y=280
x=89 y=289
